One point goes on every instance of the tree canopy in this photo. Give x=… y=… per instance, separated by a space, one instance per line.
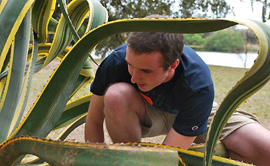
x=265 y=4
x=205 y=9
x=120 y=9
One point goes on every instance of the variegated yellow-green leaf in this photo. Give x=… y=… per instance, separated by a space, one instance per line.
x=42 y=118
x=77 y=10
x=73 y=110
x=15 y=87
x=42 y=13
x=11 y=17
x=251 y=82
x=65 y=33
x=190 y=157
x=77 y=154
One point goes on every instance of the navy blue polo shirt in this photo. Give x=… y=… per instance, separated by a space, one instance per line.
x=189 y=94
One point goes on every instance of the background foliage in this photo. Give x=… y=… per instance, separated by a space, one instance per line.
x=231 y=40
x=138 y=9
x=173 y=8
x=225 y=41
x=194 y=39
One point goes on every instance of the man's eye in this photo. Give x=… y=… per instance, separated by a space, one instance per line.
x=146 y=71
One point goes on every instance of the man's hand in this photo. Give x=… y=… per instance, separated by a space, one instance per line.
x=177 y=140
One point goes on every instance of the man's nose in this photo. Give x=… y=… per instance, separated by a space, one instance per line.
x=135 y=77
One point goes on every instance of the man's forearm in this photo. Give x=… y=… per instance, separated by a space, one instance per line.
x=94 y=120
x=177 y=140
x=94 y=133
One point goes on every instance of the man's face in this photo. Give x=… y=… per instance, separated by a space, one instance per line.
x=146 y=69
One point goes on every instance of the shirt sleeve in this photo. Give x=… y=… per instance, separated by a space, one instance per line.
x=195 y=110
x=112 y=69
x=103 y=77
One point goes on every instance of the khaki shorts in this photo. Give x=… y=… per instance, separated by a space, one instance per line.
x=159 y=122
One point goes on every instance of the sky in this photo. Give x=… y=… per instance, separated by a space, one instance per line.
x=243 y=9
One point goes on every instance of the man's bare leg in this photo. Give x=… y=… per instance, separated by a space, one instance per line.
x=124 y=111
x=250 y=143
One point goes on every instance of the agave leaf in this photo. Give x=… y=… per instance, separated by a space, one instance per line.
x=196 y=158
x=11 y=17
x=43 y=51
x=2 y=83
x=48 y=107
x=42 y=13
x=52 y=26
x=63 y=37
x=30 y=68
x=98 y=15
x=71 y=127
x=40 y=164
x=86 y=73
x=68 y=124
x=73 y=110
x=78 y=10
x=16 y=87
x=219 y=150
x=252 y=81
x=77 y=154
x=190 y=157
x=6 y=62
x=74 y=115
x=29 y=160
x=2 y=4
x=82 y=81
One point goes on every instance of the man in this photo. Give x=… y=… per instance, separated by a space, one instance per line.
x=154 y=85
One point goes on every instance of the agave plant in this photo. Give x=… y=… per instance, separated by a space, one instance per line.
x=24 y=27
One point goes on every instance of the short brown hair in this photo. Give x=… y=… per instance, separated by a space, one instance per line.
x=169 y=44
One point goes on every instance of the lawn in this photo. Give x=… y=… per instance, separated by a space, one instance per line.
x=225 y=78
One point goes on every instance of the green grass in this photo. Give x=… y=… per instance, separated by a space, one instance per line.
x=225 y=78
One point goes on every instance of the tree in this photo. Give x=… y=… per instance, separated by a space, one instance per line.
x=265 y=4
x=264 y=9
x=251 y=42
x=225 y=41
x=120 y=9
x=194 y=40
x=199 y=8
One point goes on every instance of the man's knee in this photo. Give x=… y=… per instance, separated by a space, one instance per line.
x=117 y=93
x=121 y=97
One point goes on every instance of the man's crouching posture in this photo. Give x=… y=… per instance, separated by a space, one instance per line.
x=154 y=85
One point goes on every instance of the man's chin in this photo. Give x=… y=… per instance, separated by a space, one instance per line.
x=143 y=90
x=143 y=87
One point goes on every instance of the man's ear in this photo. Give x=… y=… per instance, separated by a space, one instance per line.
x=175 y=64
